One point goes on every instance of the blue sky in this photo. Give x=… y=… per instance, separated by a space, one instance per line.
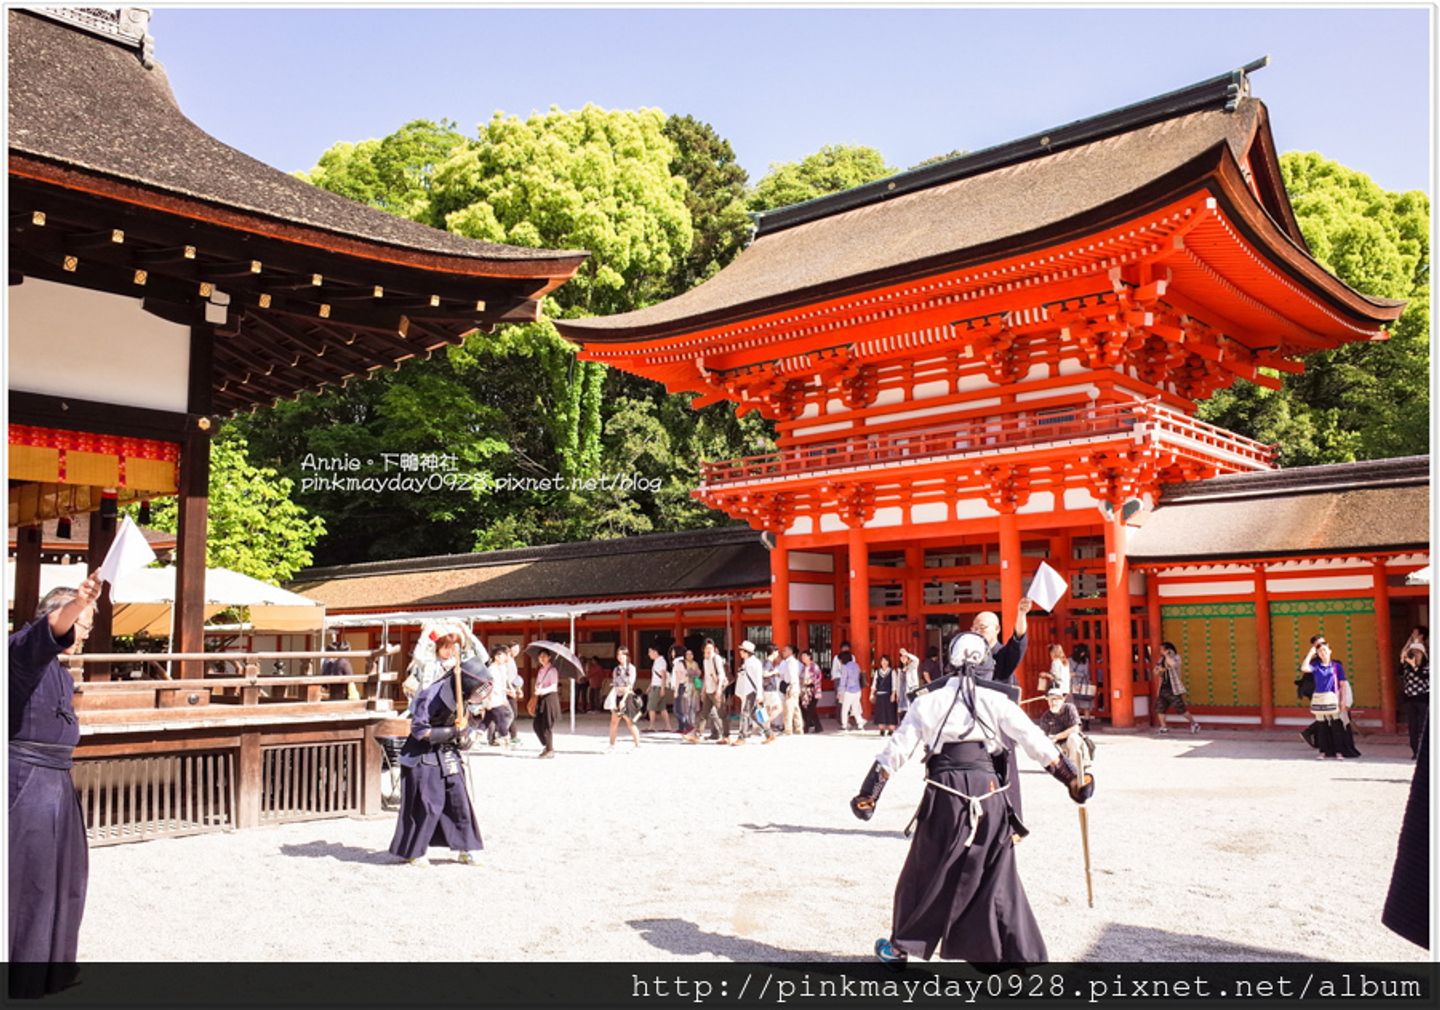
x=284 y=84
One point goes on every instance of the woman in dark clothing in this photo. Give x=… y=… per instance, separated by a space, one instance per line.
x=435 y=806
x=49 y=857
x=1407 y=906
x=810 y=688
x=1415 y=687
x=547 y=703
x=882 y=698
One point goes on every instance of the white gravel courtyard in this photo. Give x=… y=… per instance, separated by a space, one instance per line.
x=1202 y=848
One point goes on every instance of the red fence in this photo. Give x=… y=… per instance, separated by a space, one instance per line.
x=987 y=435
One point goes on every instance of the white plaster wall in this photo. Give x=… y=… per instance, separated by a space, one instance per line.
x=890 y=515
x=1040 y=501
x=112 y=351
x=973 y=508
x=1236 y=588
x=1332 y=583
x=816 y=429
x=810 y=561
x=929 y=512
x=812 y=596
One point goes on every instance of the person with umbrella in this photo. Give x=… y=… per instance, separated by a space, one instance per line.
x=545 y=700
x=435 y=807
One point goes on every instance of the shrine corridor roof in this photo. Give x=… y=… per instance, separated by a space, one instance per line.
x=1333 y=509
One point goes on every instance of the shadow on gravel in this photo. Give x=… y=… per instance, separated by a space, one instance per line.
x=335 y=850
x=1381 y=752
x=677 y=936
x=810 y=829
x=1119 y=942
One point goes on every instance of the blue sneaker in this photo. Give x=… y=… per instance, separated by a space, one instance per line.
x=890 y=954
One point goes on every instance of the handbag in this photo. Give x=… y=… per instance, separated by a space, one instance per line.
x=631 y=708
x=532 y=705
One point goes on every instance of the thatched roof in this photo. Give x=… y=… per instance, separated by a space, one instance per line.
x=665 y=564
x=89 y=103
x=1028 y=194
x=1339 y=508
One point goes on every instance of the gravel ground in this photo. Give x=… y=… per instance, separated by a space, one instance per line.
x=1200 y=848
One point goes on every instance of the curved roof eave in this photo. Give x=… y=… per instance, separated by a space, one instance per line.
x=1216 y=168
x=85 y=111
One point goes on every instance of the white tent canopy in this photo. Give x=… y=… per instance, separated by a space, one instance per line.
x=144 y=599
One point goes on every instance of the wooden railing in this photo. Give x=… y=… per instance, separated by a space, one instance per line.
x=982 y=436
x=110 y=705
x=177 y=757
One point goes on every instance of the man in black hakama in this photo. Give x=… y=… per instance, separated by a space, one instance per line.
x=959 y=890
x=1407 y=905
x=49 y=860
x=435 y=804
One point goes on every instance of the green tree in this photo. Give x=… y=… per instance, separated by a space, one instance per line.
x=593 y=179
x=394 y=173
x=831 y=169
x=715 y=199
x=935 y=159
x=1363 y=400
x=659 y=202
x=255 y=527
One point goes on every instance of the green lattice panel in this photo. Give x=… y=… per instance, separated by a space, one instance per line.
x=1348 y=624
x=1205 y=611
x=1217 y=644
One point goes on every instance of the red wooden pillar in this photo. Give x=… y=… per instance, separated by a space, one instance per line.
x=1010 y=583
x=1117 y=612
x=625 y=642
x=1264 y=659
x=780 y=593
x=1157 y=633
x=1387 y=654
x=860 y=603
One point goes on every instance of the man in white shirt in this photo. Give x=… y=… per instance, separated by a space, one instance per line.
x=497 y=715
x=748 y=687
x=790 y=684
x=660 y=692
